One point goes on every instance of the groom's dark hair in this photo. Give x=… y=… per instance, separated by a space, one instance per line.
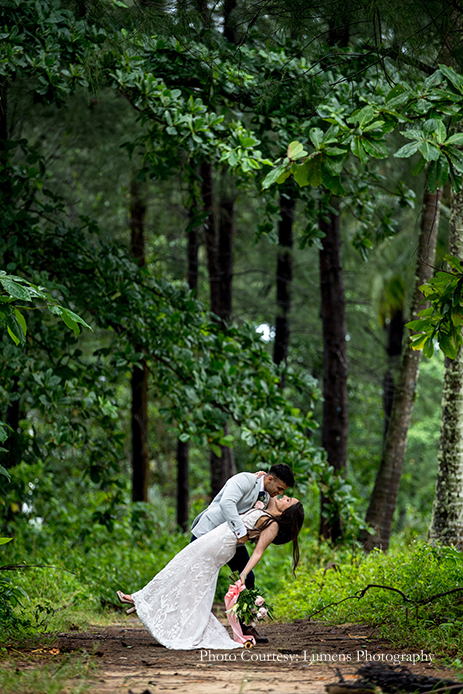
x=283 y=472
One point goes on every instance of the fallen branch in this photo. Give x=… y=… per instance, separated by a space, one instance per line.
x=361 y=593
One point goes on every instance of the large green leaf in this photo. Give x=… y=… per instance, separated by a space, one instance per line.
x=300 y=173
x=374 y=148
x=273 y=175
x=438 y=173
x=454 y=262
x=429 y=151
x=70 y=322
x=407 y=150
x=441 y=132
x=362 y=117
x=5 y=472
x=413 y=134
x=296 y=151
x=15 y=289
x=396 y=91
x=455 y=139
x=358 y=149
x=316 y=135
x=334 y=163
x=456 y=157
x=283 y=176
x=313 y=170
x=376 y=125
x=331 y=134
x=454 y=78
x=419 y=166
x=21 y=320
x=14 y=328
x=332 y=182
x=449 y=344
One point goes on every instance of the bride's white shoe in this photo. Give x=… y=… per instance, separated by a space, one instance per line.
x=126 y=600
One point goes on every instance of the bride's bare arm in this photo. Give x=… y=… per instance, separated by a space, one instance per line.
x=266 y=537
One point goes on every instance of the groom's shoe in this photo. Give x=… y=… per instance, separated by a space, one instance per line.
x=250 y=631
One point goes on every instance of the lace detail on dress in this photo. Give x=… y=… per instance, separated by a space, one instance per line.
x=175 y=606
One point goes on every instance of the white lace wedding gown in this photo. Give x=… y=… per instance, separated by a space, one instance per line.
x=175 y=606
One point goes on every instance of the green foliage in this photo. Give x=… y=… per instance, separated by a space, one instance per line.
x=99 y=563
x=419 y=571
x=71 y=676
x=16 y=288
x=437 y=104
x=442 y=322
x=186 y=98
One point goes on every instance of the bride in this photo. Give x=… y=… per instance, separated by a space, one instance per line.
x=175 y=606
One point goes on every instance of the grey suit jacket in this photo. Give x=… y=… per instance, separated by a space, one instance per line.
x=238 y=495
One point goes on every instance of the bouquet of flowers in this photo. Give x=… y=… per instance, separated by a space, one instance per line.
x=250 y=606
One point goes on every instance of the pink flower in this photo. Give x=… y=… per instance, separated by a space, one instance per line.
x=262 y=613
x=259 y=505
x=259 y=601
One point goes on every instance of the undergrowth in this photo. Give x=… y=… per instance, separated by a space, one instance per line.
x=85 y=568
x=70 y=675
x=418 y=570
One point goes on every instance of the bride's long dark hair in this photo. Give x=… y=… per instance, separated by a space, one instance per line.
x=289 y=524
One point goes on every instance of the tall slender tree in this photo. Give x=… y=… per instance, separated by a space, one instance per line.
x=383 y=500
x=335 y=369
x=394 y=326
x=284 y=277
x=182 y=456
x=219 y=247
x=139 y=382
x=447 y=513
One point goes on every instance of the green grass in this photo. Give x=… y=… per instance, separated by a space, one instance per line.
x=418 y=570
x=102 y=562
x=69 y=676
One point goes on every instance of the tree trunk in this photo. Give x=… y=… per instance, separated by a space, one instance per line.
x=15 y=444
x=5 y=181
x=335 y=409
x=284 y=279
x=139 y=383
x=395 y=333
x=229 y=21
x=210 y=236
x=182 y=446
x=225 y=259
x=447 y=514
x=219 y=248
x=384 y=497
x=183 y=490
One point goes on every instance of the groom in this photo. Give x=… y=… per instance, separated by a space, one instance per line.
x=238 y=495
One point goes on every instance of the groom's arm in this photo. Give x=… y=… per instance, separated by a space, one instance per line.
x=237 y=487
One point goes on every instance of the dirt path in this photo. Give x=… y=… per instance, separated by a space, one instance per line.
x=300 y=657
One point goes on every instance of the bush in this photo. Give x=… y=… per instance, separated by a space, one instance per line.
x=420 y=571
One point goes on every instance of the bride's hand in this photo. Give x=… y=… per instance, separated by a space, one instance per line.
x=243 y=579
x=260 y=473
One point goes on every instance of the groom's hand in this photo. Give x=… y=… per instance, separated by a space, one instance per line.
x=242 y=540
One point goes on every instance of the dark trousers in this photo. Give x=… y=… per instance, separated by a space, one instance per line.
x=238 y=562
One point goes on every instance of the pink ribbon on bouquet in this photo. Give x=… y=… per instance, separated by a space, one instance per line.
x=230 y=600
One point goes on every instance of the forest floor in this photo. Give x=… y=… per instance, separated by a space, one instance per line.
x=301 y=657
